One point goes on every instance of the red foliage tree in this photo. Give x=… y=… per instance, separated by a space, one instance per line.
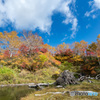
x=68 y=52
x=6 y=53
x=90 y=53
x=35 y=50
x=23 y=49
x=43 y=50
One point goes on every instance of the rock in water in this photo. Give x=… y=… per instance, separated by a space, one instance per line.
x=65 y=78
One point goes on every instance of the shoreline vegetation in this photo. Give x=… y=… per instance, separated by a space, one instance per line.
x=84 y=86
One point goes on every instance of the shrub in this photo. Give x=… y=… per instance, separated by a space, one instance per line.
x=69 y=66
x=43 y=58
x=65 y=66
x=6 y=74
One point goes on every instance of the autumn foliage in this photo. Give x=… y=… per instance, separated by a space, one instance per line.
x=6 y=53
x=28 y=51
x=23 y=49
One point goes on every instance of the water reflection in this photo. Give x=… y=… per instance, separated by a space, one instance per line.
x=14 y=93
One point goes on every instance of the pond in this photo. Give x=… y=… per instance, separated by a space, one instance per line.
x=14 y=93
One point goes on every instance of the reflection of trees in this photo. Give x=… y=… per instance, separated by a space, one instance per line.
x=14 y=93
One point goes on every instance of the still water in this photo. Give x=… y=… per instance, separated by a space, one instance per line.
x=14 y=93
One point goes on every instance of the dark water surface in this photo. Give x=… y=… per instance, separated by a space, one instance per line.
x=14 y=93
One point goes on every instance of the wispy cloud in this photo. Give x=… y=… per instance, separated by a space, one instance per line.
x=48 y=40
x=95 y=5
x=65 y=37
x=89 y=13
x=33 y=14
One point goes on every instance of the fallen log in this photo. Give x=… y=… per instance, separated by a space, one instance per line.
x=13 y=85
x=39 y=85
x=66 y=78
x=97 y=77
x=51 y=93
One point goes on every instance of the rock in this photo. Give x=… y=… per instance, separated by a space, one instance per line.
x=65 y=78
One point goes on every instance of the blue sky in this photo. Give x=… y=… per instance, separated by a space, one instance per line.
x=57 y=21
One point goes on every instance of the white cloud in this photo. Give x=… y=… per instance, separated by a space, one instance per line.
x=89 y=13
x=95 y=5
x=32 y=14
x=66 y=37
x=1 y=14
x=70 y=18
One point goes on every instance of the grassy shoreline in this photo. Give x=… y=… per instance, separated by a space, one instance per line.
x=16 y=76
x=84 y=86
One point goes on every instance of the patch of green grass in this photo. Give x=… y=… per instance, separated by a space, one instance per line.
x=6 y=74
